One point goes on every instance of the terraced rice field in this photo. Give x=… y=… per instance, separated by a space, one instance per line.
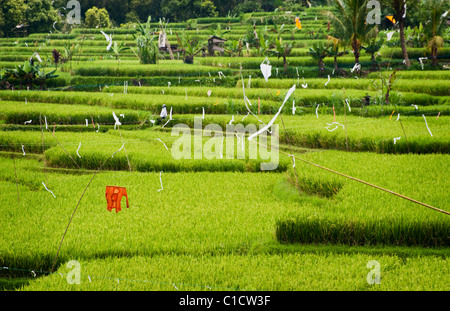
x=222 y=223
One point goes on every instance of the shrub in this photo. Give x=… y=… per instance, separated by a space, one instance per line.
x=96 y=17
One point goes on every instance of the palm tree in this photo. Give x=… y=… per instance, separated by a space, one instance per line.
x=435 y=26
x=349 y=21
x=399 y=9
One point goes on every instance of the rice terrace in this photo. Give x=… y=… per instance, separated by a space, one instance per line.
x=211 y=145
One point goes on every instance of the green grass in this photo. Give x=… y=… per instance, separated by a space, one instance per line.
x=95 y=148
x=376 y=217
x=177 y=225
x=222 y=224
x=285 y=272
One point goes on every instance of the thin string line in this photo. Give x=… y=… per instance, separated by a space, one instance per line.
x=85 y=189
x=356 y=179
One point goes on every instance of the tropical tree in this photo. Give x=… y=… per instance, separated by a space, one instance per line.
x=96 y=17
x=318 y=52
x=282 y=50
x=373 y=47
x=437 y=11
x=234 y=47
x=117 y=49
x=280 y=30
x=264 y=42
x=218 y=31
x=27 y=74
x=333 y=51
x=40 y=15
x=190 y=47
x=147 y=44
x=12 y=14
x=414 y=36
x=349 y=24
x=69 y=52
x=399 y=13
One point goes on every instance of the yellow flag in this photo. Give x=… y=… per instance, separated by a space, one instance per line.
x=298 y=24
x=391 y=18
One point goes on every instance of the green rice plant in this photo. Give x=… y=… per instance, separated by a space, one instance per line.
x=20 y=112
x=432 y=87
x=222 y=229
x=314 y=185
x=367 y=223
x=175 y=70
x=416 y=74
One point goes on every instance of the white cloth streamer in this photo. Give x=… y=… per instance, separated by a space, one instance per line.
x=48 y=190
x=265 y=128
x=163 y=143
x=160 y=180
x=116 y=119
x=426 y=124
x=79 y=146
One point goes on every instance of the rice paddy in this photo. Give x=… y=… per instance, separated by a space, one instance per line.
x=222 y=223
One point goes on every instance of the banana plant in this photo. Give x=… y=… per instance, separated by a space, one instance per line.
x=117 y=49
x=69 y=52
x=282 y=50
x=279 y=30
x=190 y=47
x=28 y=74
x=147 y=43
x=318 y=52
x=265 y=43
x=218 y=32
x=333 y=51
x=234 y=48
x=373 y=47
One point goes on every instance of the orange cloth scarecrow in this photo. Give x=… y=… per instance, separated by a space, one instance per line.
x=114 y=196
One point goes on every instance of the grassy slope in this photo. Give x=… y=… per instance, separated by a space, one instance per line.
x=180 y=224
x=201 y=232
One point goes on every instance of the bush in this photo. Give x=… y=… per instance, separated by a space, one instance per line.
x=96 y=17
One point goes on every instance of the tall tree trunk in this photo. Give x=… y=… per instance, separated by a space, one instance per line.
x=321 y=66
x=374 y=62
x=403 y=41
x=285 y=64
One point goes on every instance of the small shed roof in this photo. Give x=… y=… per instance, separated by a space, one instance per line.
x=215 y=39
